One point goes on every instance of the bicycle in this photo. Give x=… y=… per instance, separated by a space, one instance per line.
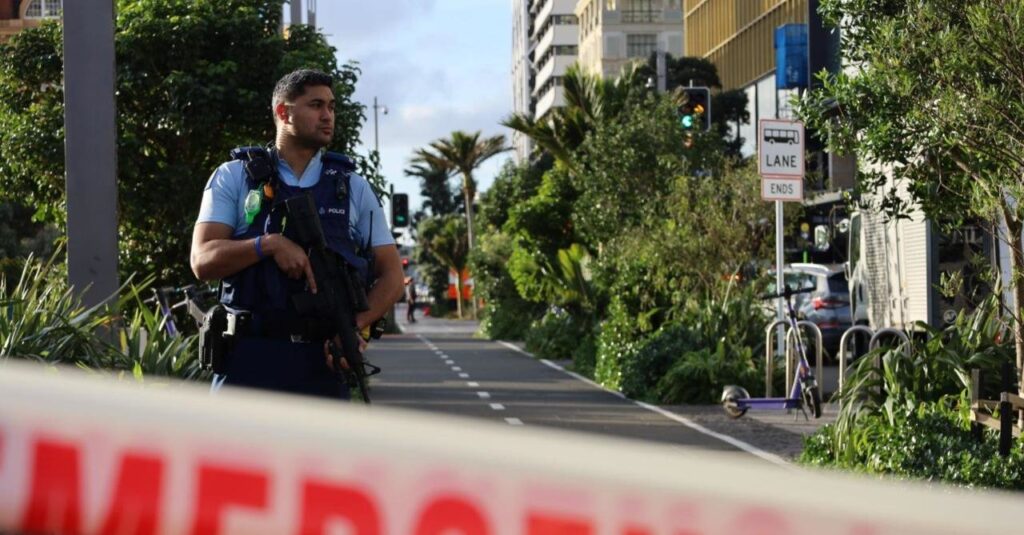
x=805 y=392
x=162 y=297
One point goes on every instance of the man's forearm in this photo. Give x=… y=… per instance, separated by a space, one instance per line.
x=217 y=259
x=381 y=298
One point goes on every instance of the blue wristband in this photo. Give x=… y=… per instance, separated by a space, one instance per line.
x=259 y=250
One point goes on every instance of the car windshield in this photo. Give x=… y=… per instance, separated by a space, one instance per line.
x=837 y=284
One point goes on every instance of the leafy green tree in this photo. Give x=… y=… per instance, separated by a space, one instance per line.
x=194 y=79
x=507 y=314
x=728 y=108
x=445 y=238
x=933 y=103
x=681 y=72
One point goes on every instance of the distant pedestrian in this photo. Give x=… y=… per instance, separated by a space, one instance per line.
x=410 y=300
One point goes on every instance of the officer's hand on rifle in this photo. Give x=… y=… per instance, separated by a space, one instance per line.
x=337 y=343
x=290 y=258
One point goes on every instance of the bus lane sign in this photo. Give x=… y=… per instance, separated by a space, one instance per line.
x=780 y=159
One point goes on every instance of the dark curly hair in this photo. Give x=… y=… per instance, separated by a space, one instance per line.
x=292 y=85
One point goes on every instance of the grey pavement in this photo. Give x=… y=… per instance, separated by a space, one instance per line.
x=428 y=324
x=438 y=366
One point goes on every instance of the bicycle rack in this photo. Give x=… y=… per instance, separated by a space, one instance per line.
x=791 y=352
x=769 y=355
x=875 y=342
x=842 y=352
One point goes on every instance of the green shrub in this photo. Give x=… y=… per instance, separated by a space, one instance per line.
x=929 y=443
x=909 y=416
x=931 y=369
x=698 y=376
x=509 y=319
x=618 y=342
x=584 y=357
x=711 y=344
x=43 y=320
x=653 y=359
x=555 y=335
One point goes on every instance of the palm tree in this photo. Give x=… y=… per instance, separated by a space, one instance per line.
x=445 y=238
x=463 y=153
x=590 y=101
x=435 y=188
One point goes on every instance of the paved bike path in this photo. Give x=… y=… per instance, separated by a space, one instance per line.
x=458 y=375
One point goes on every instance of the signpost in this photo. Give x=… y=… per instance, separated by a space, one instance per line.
x=780 y=162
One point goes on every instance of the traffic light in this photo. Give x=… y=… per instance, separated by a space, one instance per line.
x=400 y=210
x=695 y=113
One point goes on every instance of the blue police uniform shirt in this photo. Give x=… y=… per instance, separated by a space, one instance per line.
x=224 y=200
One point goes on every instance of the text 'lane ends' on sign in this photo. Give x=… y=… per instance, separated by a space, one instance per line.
x=780 y=148
x=782 y=189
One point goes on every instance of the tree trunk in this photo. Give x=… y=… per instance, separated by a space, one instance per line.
x=458 y=292
x=467 y=195
x=467 y=179
x=1015 y=228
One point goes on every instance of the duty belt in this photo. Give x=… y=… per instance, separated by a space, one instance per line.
x=245 y=323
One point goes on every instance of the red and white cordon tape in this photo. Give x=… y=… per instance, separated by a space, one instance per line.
x=85 y=455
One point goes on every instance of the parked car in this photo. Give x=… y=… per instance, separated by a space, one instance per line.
x=828 y=306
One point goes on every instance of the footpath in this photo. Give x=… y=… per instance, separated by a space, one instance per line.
x=778 y=432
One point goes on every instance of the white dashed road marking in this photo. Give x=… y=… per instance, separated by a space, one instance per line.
x=770 y=457
x=466 y=376
x=471 y=384
x=484 y=395
x=497 y=406
x=514 y=421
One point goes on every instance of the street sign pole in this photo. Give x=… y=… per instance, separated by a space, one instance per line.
x=780 y=279
x=780 y=162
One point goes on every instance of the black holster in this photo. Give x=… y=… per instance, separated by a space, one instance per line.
x=214 y=342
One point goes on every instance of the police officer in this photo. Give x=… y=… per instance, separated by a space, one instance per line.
x=241 y=239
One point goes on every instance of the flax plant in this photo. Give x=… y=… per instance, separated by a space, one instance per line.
x=43 y=320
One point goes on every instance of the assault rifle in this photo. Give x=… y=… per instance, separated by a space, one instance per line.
x=341 y=294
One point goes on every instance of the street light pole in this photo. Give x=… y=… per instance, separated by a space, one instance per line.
x=376 y=138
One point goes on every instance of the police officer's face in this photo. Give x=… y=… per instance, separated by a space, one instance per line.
x=311 y=116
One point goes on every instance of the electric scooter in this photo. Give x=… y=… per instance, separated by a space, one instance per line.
x=805 y=393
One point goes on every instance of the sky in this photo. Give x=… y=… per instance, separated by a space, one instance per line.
x=437 y=65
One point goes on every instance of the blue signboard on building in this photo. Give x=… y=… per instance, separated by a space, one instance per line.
x=791 y=56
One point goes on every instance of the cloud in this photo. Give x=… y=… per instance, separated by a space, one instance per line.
x=437 y=66
x=359 y=24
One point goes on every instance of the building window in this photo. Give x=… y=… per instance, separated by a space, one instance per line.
x=40 y=9
x=639 y=11
x=641 y=45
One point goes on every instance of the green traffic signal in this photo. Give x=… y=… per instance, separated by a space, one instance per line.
x=400 y=210
x=695 y=111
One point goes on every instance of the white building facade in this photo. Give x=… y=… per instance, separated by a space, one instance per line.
x=522 y=75
x=554 y=40
x=614 y=33
x=545 y=42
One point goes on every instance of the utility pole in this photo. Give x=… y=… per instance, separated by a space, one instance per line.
x=90 y=149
